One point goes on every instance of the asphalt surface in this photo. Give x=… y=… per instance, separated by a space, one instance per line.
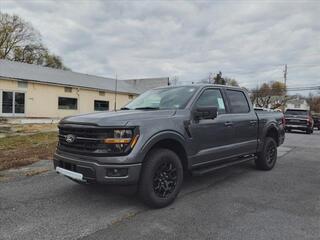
x=234 y=203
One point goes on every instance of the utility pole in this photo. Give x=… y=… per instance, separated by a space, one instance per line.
x=210 y=78
x=285 y=72
x=115 y=93
x=285 y=75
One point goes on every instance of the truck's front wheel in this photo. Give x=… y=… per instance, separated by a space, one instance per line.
x=161 y=178
x=268 y=156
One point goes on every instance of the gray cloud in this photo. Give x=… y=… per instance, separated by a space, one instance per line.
x=247 y=40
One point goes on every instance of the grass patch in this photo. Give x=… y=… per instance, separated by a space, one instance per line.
x=17 y=151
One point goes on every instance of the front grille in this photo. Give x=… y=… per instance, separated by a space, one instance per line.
x=88 y=140
x=296 y=121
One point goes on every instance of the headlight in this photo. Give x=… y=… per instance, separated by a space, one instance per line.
x=120 y=136
x=122 y=140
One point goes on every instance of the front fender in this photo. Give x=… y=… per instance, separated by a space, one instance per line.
x=164 y=135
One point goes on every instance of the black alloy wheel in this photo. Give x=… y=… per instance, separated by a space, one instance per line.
x=161 y=178
x=266 y=159
x=271 y=153
x=165 y=179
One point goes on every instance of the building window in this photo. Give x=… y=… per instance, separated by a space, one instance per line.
x=22 y=84
x=67 y=103
x=130 y=97
x=101 y=105
x=68 y=89
x=13 y=102
x=102 y=93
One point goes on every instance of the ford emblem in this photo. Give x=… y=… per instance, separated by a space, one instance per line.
x=70 y=138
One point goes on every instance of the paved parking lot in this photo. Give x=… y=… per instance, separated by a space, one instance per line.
x=234 y=203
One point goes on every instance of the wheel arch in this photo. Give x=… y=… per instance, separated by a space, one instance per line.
x=169 y=140
x=272 y=131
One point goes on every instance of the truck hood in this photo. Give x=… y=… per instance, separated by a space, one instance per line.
x=119 y=118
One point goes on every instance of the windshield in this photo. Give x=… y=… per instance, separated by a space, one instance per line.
x=296 y=112
x=163 y=98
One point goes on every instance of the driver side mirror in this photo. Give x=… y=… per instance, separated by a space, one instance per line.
x=205 y=113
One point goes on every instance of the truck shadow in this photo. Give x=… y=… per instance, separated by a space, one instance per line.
x=127 y=195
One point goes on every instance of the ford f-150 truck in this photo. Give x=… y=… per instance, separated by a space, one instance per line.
x=164 y=133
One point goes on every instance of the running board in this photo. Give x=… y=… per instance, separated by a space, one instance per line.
x=205 y=170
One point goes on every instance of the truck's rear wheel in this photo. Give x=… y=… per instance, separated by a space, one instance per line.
x=268 y=156
x=161 y=178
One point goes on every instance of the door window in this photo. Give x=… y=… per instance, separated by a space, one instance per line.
x=7 y=102
x=18 y=102
x=238 y=102
x=212 y=98
x=13 y=102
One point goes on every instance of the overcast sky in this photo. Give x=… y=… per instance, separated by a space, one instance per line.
x=247 y=40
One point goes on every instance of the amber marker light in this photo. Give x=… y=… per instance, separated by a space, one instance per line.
x=134 y=141
x=117 y=140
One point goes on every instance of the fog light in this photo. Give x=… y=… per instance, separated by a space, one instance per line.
x=117 y=172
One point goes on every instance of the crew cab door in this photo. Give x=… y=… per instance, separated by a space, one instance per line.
x=210 y=137
x=244 y=121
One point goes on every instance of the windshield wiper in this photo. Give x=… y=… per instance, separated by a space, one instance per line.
x=147 y=108
x=125 y=108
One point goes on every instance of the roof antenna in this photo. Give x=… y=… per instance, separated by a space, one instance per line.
x=115 y=93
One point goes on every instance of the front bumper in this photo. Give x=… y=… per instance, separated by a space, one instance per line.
x=95 y=172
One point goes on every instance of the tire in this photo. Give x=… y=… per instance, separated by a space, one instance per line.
x=161 y=178
x=268 y=156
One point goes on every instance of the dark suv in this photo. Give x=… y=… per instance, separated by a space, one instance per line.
x=299 y=119
x=165 y=132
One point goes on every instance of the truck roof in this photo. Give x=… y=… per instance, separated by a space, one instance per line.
x=202 y=85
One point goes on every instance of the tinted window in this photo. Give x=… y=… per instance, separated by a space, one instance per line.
x=211 y=98
x=238 y=102
x=67 y=103
x=101 y=105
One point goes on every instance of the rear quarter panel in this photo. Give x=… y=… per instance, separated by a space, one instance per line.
x=268 y=120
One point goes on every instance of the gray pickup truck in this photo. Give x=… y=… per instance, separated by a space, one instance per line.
x=164 y=133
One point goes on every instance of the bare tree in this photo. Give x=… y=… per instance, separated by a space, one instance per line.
x=19 y=41
x=272 y=94
x=15 y=33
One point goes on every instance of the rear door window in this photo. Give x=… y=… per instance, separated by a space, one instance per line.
x=238 y=101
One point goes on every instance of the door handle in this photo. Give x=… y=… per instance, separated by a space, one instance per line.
x=228 y=124
x=253 y=122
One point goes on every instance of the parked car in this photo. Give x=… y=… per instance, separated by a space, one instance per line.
x=299 y=119
x=165 y=132
x=316 y=121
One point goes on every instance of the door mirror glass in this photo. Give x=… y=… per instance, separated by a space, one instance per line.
x=205 y=113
